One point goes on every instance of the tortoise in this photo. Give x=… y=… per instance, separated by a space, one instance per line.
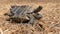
x=24 y=13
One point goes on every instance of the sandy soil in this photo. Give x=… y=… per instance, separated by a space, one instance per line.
x=48 y=24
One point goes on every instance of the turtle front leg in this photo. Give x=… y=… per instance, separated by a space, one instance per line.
x=37 y=15
x=31 y=20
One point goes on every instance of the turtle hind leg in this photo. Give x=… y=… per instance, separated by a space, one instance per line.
x=10 y=20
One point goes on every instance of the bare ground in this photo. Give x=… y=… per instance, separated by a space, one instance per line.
x=48 y=24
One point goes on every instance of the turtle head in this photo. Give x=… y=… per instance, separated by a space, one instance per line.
x=38 y=9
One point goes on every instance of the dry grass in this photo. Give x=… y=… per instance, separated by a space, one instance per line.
x=50 y=13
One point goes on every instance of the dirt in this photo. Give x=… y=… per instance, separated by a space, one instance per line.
x=48 y=24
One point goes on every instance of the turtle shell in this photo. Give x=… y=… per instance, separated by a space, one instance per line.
x=21 y=9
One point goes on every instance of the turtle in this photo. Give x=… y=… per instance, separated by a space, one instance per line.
x=24 y=13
